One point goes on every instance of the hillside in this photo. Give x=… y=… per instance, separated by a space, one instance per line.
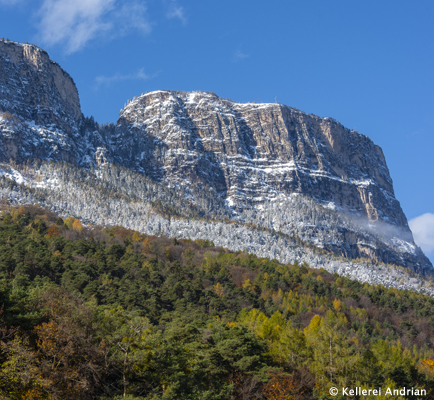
x=95 y=313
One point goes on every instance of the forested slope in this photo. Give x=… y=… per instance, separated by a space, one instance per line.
x=97 y=313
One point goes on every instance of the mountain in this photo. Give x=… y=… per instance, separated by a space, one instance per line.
x=265 y=174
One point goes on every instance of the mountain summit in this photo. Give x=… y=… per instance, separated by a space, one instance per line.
x=267 y=165
x=35 y=88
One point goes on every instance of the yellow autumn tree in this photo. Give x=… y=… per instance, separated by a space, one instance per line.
x=314 y=325
x=77 y=226
x=69 y=221
x=136 y=237
x=429 y=363
x=15 y=213
x=219 y=290
x=247 y=284
x=329 y=348
x=427 y=367
x=19 y=374
x=146 y=244
x=337 y=304
x=253 y=319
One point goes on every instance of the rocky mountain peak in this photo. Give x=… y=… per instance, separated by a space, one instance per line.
x=35 y=88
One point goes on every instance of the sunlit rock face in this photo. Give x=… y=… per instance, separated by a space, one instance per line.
x=250 y=153
x=255 y=158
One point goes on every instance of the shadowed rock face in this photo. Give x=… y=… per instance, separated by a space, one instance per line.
x=254 y=152
x=248 y=154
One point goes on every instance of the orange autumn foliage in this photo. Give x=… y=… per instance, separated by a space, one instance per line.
x=77 y=226
x=69 y=361
x=429 y=363
x=283 y=387
x=53 y=231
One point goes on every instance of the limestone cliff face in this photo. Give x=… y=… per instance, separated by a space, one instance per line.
x=251 y=153
x=39 y=106
x=40 y=115
x=35 y=88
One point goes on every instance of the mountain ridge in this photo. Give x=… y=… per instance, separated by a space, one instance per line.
x=250 y=155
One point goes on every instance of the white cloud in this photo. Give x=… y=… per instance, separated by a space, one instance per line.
x=176 y=11
x=108 y=80
x=74 y=23
x=423 y=232
x=239 y=55
x=132 y=16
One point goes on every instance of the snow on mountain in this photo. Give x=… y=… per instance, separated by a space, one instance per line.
x=249 y=174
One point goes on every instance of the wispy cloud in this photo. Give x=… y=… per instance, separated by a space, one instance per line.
x=132 y=16
x=109 y=80
x=75 y=23
x=423 y=232
x=176 y=11
x=239 y=56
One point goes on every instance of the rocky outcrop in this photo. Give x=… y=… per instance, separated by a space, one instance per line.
x=34 y=88
x=255 y=154
x=40 y=114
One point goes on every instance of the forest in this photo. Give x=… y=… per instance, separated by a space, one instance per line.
x=105 y=312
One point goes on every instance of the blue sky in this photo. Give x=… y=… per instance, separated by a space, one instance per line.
x=367 y=64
